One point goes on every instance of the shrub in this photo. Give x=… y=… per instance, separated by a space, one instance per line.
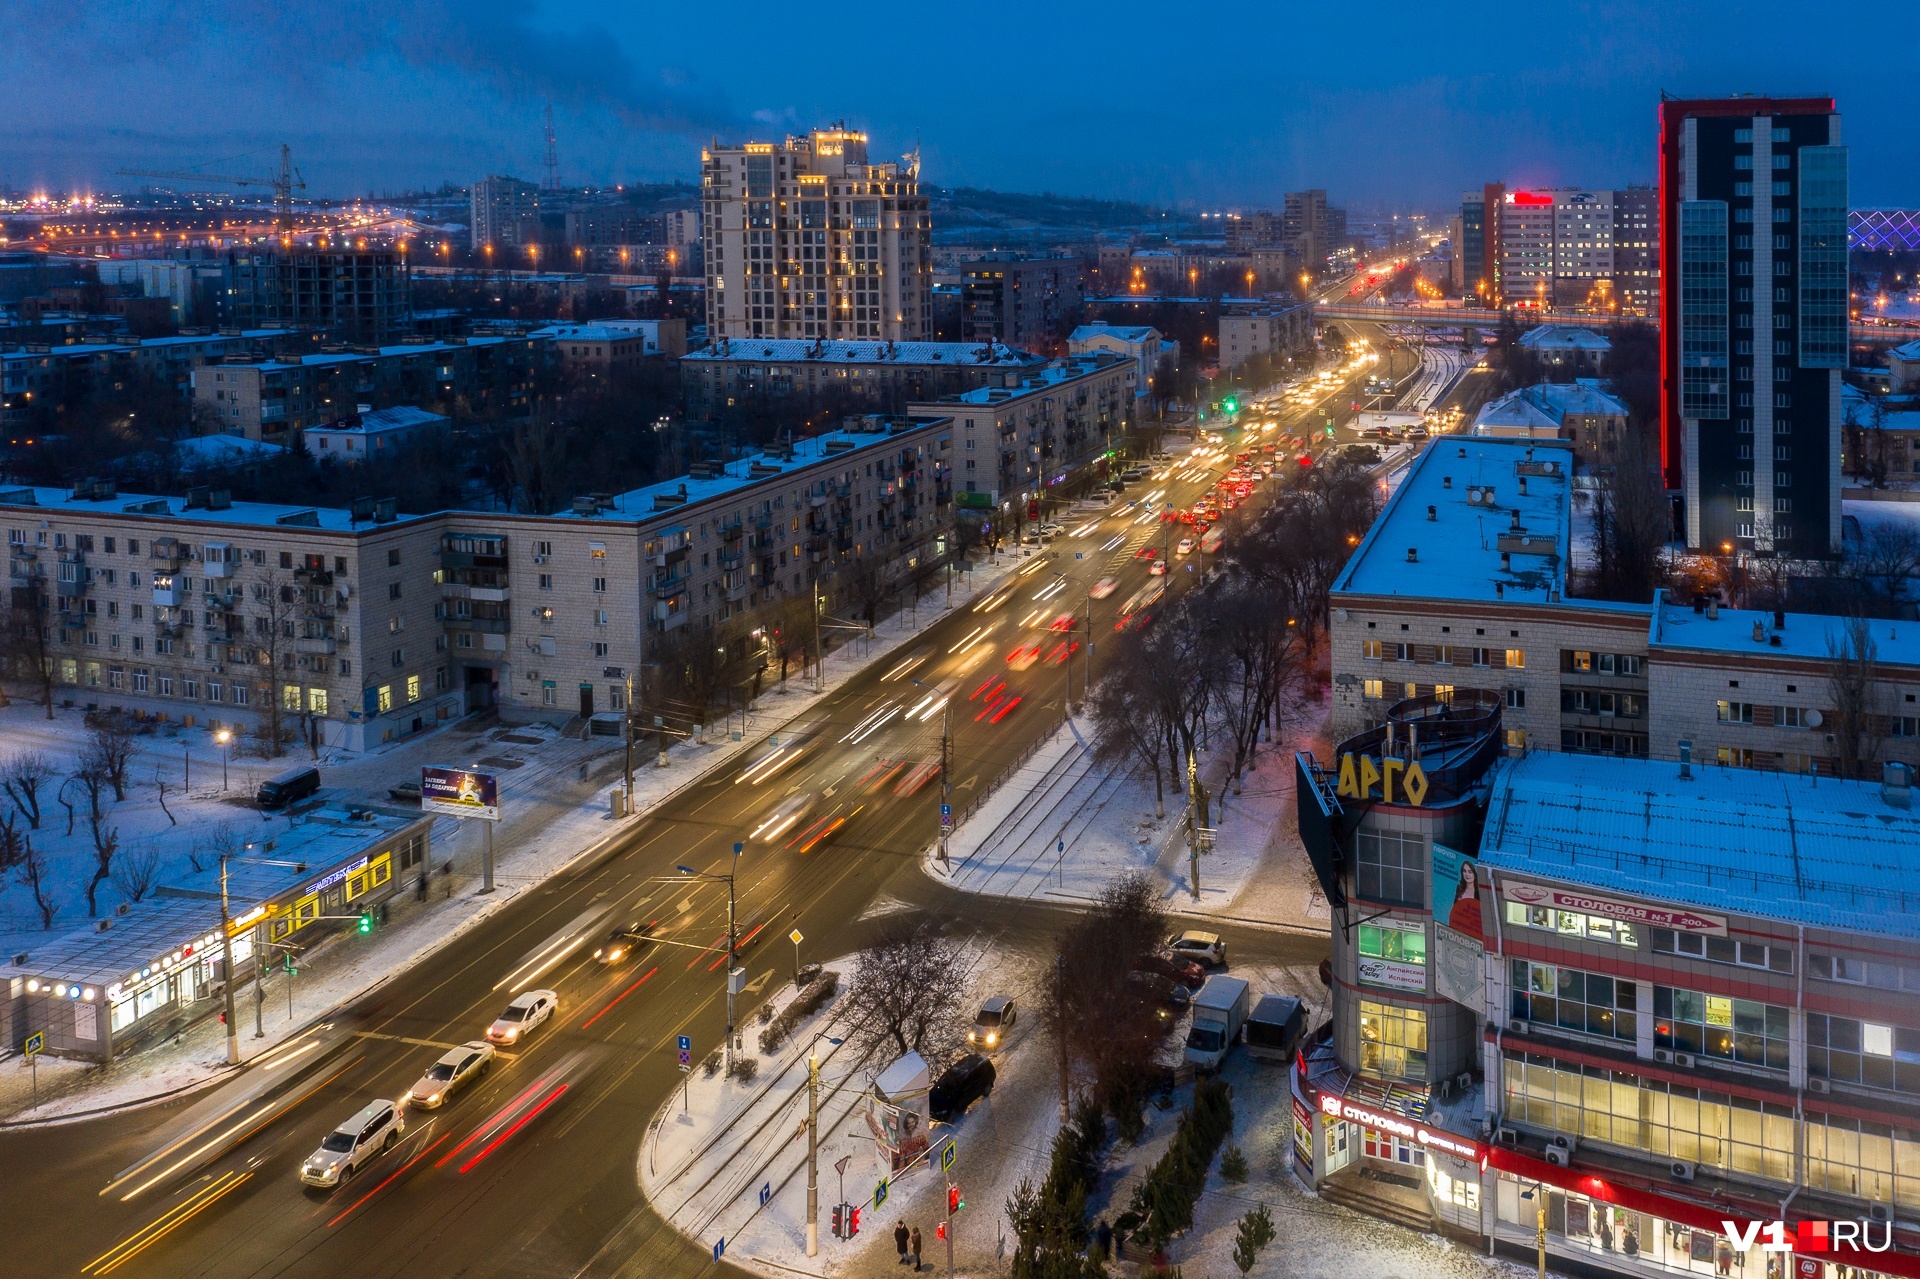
x=811 y=999
x=1233 y=1165
x=744 y=1069
x=1165 y=1199
x=1256 y=1232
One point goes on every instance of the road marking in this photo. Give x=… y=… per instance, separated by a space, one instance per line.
x=164 y=1225
x=404 y=1039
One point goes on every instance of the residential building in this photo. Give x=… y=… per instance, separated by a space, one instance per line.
x=1620 y=1011
x=38 y=382
x=1480 y=238
x=1313 y=230
x=1754 y=319
x=1526 y=249
x=1903 y=364
x=190 y=287
x=1566 y=352
x=370 y=434
x=615 y=344
x=1263 y=230
x=1140 y=343
x=1462 y=584
x=1038 y=437
x=1020 y=301
x=1581 y=412
x=360 y=295
x=270 y=399
x=855 y=377
x=505 y=214
x=1456 y=234
x=1636 y=250
x=1251 y=332
x=807 y=239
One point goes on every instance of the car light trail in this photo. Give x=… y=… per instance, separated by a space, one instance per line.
x=904 y=667
x=144 y=1238
x=555 y=949
x=498 y=1117
x=522 y=1122
x=1049 y=591
x=588 y=1023
x=387 y=1181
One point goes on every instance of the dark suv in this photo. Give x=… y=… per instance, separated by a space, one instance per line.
x=965 y=1082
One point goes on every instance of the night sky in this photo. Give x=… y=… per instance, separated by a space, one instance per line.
x=1212 y=106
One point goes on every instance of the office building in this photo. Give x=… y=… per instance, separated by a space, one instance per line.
x=1526 y=249
x=1248 y=231
x=843 y=377
x=1583 y=250
x=807 y=239
x=1636 y=250
x=1020 y=301
x=1561 y=249
x=1753 y=207
x=1312 y=229
x=356 y=295
x=505 y=214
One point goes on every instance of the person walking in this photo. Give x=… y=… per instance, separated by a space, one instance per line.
x=1103 y=1239
x=916 y=1250
x=900 y=1240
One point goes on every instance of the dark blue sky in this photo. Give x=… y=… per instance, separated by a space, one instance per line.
x=1223 y=104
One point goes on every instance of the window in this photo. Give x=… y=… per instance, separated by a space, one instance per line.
x=1517 y=658
x=1721 y=950
x=1571 y=923
x=546 y=581
x=1733 y=712
x=1862 y=972
x=1582 y=662
x=1370 y=650
x=1790 y=717
x=238 y=694
x=413 y=688
x=289 y=697
x=1720 y=1026
x=1393 y=1040
x=1871 y=1053
x=1373 y=688
x=600 y=585
x=1550 y=995
x=1391 y=867
x=1401 y=943
x=399 y=657
x=383 y=698
x=393 y=590
x=317 y=700
x=393 y=557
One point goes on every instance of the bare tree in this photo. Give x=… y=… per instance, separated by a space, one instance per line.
x=907 y=986
x=275 y=604
x=160 y=792
x=26 y=636
x=1125 y=725
x=12 y=842
x=22 y=776
x=32 y=873
x=1635 y=522
x=535 y=462
x=106 y=842
x=1853 y=684
x=1106 y=1034
x=110 y=749
x=133 y=874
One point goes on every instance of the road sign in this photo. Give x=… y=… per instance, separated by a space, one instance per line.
x=766 y=1192
x=36 y=1043
x=686 y=1052
x=880 y=1193
x=948 y=1155
x=795 y=937
x=720 y=1247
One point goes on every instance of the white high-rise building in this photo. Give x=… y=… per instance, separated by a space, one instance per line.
x=501 y=209
x=805 y=239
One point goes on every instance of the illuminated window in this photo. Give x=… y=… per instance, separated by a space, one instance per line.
x=317 y=700
x=1393 y=1040
x=1550 y=995
x=383 y=698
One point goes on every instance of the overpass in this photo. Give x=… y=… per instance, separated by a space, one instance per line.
x=1453 y=317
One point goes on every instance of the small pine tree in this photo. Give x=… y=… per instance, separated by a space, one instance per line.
x=1256 y=1232
x=1233 y=1165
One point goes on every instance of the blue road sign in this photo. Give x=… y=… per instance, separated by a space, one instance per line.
x=880 y=1194
x=36 y=1043
x=720 y=1247
x=946 y=810
x=948 y=1155
x=686 y=1043
x=766 y=1192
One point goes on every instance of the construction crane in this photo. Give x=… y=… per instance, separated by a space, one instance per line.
x=284 y=184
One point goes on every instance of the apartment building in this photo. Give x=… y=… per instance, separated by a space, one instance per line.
x=359 y=295
x=1636 y=250
x=606 y=345
x=1461 y=584
x=1582 y=412
x=1141 y=343
x=1614 y=1010
x=1037 y=436
x=1567 y=352
x=1246 y=333
x=866 y=377
x=358 y=627
x=1526 y=249
x=807 y=239
x=505 y=214
x=1018 y=300
x=272 y=399
x=369 y=434
x=1753 y=199
x=38 y=381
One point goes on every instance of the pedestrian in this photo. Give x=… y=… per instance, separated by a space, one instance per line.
x=916 y=1250
x=900 y=1239
x=1103 y=1238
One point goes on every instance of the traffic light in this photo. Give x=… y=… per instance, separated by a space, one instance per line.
x=365 y=925
x=954 y=1202
x=839 y=1222
x=853 y=1221
x=1231 y=405
x=939 y=1230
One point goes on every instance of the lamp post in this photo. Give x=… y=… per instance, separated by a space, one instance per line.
x=732 y=943
x=946 y=768
x=224 y=737
x=1539 y=1196
x=226 y=956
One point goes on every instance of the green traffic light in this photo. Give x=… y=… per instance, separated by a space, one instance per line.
x=366 y=922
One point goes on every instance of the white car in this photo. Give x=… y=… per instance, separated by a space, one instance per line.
x=1205 y=948
x=353 y=1145
x=455 y=1070
x=1103 y=588
x=1157 y=569
x=1185 y=547
x=525 y=1013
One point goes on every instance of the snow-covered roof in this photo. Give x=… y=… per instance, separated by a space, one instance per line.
x=1547 y=405
x=1515 y=411
x=1783 y=846
x=801 y=351
x=1905 y=351
x=1553 y=337
x=1455 y=513
x=201 y=452
x=599 y=331
x=1804 y=635
x=403 y=417
x=1124 y=332
x=259 y=514
x=1043 y=379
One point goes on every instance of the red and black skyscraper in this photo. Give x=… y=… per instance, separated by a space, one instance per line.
x=1753 y=321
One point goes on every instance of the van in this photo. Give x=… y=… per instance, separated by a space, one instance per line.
x=295 y=783
x=1219 y=1013
x=1274 y=1027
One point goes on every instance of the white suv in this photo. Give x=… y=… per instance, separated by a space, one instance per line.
x=353 y=1145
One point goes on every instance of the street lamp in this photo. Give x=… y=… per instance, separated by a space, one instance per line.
x=946 y=767
x=226 y=956
x=732 y=945
x=224 y=737
x=1539 y=1196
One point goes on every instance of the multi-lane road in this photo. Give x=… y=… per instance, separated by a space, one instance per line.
x=532 y=1171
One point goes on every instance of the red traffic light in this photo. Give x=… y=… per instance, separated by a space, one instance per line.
x=953 y=1200
x=838 y=1223
x=853 y=1222
x=939 y=1230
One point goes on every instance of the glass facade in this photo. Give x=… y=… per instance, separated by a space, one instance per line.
x=1393 y=1041
x=1742 y=1030
x=1703 y=309
x=1823 y=257
x=1390 y=868
x=1551 y=995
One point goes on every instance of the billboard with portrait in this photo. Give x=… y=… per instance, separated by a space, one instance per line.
x=459 y=792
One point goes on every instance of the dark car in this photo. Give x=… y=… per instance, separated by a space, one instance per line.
x=1167 y=997
x=624 y=942
x=965 y=1082
x=1186 y=972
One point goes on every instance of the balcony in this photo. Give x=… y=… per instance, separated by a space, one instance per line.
x=668 y=618
x=493 y=594
x=315 y=646
x=168 y=592
x=168 y=628
x=667 y=587
x=313 y=576
x=730 y=561
x=485 y=625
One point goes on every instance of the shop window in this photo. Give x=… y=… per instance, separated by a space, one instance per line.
x=1393 y=1040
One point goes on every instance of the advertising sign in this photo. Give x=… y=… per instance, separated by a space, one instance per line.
x=459 y=792
x=1402 y=1127
x=1611 y=908
x=1459 y=967
x=1303 y=1132
x=1392 y=974
x=1456 y=890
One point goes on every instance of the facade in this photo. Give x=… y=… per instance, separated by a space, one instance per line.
x=1311 y=229
x=1527 y=229
x=1753 y=206
x=1566 y=249
x=1027 y=302
x=806 y=239
x=1462 y=584
x=361 y=295
x=1567 y=352
x=1261 y=230
x=844 y=376
x=271 y=399
x=1581 y=412
x=1246 y=334
x=370 y=435
x=39 y=381
x=1038 y=437
x=1141 y=343
x=505 y=214
x=1636 y=250
x=1619 y=1011
x=1583 y=265
x=607 y=345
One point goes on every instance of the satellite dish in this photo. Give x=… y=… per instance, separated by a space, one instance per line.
x=1815 y=719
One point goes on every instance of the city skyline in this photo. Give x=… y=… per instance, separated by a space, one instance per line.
x=406 y=96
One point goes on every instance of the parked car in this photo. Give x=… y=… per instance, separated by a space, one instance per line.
x=284 y=788
x=523 y=1016
x=991 y=1024
x=1168 y=998
x=1203 y=948
x=624 y=942
x=457 y=1068
x=353 y=1145
x=1219 y=1012
x=1184 y=971
x=405 y=792
x=963 y=1083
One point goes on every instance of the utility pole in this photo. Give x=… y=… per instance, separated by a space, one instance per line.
x=813 y=1151
x=627 y=719
x=1193 y=825
x=819 y=653
x=946 y=775
x=1060 y=1031
x=733 y=950
x=226 y=965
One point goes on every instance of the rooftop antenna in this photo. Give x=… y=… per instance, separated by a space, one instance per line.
x=553 y=154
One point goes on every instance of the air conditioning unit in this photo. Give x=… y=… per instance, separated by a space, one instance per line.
x=1564 y=1141
x=1681 y=1170
x=1558 y=1156
x=539 y=559
x=1683 y=1060
x=1445 y=1088
x=1505 y=1136
x=1518 y=1024
x=1664 y=1055
x=1880 y=1212
x=1816 y=1084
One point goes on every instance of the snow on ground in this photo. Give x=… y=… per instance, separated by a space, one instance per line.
x=555 y=793
x=1257 y=873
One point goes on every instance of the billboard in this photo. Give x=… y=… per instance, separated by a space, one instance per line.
x=1456 y=890
x=459 y=792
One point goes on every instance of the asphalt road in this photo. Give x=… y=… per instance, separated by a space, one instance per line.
x=532 y=1170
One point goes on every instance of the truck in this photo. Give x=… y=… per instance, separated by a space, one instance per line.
x=1212 y=540
x=1219 y=1013
x=1274 y=1028
x=1386 y=425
